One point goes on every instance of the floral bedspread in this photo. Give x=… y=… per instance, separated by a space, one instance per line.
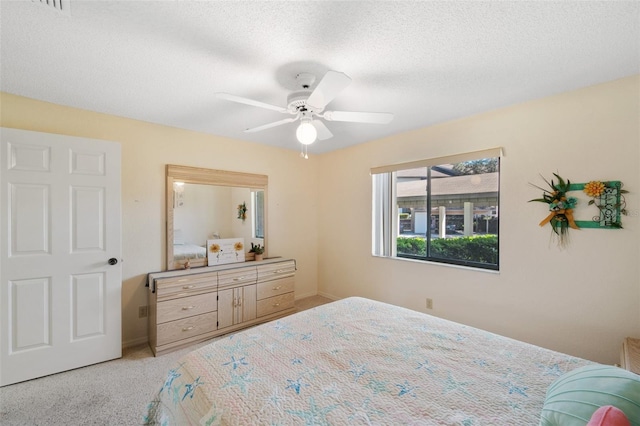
x=358 y=361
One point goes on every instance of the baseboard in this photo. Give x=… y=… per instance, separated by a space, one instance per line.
x=135 y=342
x=328 y=296
x=304 y=296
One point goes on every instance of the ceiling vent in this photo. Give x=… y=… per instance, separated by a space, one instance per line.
x=62 y=6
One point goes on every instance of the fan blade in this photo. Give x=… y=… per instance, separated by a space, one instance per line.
x=323 y=131
x=270 y=125
x=359 y=117
x=247 y=101
x=329 y=87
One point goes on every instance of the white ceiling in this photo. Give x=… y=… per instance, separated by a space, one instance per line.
x=427 y=62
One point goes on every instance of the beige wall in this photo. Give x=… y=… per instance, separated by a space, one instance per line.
x=146 y=148
x=582 y=300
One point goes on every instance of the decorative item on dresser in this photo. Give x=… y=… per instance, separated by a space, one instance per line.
x=630 y=355
x=258 y=251
x=192 y=305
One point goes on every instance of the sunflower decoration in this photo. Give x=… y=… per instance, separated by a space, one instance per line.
x=561 y=207
x=594 y=188
x=238 y=247
x=215 y=249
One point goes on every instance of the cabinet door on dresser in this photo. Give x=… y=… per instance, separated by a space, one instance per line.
x=236 y=296
x=236 y=305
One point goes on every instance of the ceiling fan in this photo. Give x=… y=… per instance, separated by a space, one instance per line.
x=308 y=105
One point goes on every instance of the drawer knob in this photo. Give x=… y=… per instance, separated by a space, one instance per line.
x=277 y=288
x=186 y=308
x=239 y=278
x=275 y=305
x=187 y=287
x=278 y=271
x=187 y=328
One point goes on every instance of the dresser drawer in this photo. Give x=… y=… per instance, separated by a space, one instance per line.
x=184 y=328
x=235 y=277
x=275 y=304
x=276 y=287
x=275 y=271
x=168 y=288
x=183 y=307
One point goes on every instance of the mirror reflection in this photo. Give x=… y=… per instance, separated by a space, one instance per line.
x=203 y=212
x=206 y=204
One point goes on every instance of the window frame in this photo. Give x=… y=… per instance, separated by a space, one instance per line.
x=257 y=225
x=385 y=232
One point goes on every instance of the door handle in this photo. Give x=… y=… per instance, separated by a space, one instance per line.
x=113 y=261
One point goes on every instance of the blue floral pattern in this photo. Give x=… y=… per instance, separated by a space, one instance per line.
x=358 y=361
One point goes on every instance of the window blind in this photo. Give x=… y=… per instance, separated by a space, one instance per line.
x=449 y=159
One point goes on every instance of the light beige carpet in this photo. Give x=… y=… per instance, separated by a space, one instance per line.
x=110 y=393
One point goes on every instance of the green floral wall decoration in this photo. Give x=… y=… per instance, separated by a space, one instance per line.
x=242 y=211
x=607 y=196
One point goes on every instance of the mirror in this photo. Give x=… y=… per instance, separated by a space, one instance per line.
x=204 y=204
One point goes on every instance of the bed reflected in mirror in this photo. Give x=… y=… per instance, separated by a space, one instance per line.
x=205 y=204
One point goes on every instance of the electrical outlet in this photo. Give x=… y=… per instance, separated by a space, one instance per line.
x=143 y=311
x=429 y=303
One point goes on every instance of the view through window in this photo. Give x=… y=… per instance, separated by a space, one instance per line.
x=446 y=212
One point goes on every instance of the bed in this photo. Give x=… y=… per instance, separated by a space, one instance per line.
x=188 y=251
x=358 y=361
x=183 y=250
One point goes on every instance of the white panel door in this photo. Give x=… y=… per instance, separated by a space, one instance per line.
x=60 y=249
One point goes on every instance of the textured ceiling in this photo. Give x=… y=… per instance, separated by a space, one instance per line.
x=426 y=62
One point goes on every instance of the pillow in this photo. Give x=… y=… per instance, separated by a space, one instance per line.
x=608 y=415
x=574 y=397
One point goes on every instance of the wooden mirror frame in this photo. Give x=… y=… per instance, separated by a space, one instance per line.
x=208 y=177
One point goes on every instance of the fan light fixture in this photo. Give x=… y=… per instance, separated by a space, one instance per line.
x=307 y=105
x=306 y=132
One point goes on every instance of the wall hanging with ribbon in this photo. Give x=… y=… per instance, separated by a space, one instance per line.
x=606 y=196
x=242 y=211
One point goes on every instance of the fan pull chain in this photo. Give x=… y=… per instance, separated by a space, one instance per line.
x=303 y=152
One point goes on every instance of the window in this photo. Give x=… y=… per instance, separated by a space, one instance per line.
x=439 y=210
x=258 y=213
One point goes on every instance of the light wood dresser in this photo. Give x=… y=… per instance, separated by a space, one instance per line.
x=630 y=355
x=192 y=305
